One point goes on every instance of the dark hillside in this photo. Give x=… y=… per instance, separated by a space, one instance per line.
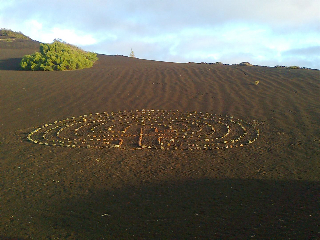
x=13 y=49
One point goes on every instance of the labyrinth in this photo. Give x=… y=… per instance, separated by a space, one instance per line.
x=147 y=129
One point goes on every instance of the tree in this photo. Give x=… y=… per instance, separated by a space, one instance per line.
x=58 y=56
x=132 y=54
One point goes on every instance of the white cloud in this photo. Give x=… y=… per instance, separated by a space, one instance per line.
x=35 y=29
x=70 y=36
x=196 y=30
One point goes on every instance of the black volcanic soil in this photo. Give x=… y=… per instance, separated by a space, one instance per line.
x=265 y=190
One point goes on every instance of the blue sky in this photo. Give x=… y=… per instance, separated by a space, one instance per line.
x=273 y=32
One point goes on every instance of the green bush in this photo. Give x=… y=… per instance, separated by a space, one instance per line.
x=58 y=56
x=294 y=67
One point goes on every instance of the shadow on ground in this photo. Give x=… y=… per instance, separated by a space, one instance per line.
x=205 y=208
x=10 y=64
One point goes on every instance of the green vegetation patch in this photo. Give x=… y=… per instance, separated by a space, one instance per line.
x=58 y=56
x=12 y=34
x=294 y=67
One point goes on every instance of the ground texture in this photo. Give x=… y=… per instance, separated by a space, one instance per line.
x=267 y=188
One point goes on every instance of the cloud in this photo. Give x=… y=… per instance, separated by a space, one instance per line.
x=167 y=15
x=263 y=32
x=310 y=51
x=69 y=35
x=308 y=56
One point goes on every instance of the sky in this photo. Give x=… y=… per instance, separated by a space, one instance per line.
x=267 y=33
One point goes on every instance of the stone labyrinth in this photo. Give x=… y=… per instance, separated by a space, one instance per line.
x=147 y=129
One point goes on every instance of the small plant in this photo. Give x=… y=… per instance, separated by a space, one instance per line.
x=9 y=40
x=58 y=56
x=294 y=67
x=132 y=54
x=245 y=64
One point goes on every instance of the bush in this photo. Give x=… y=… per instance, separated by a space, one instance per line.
x=294 y=67
x=58 y=56
x=132 y=54
x=245 y=64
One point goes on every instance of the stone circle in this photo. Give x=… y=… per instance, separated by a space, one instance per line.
x=147 y=129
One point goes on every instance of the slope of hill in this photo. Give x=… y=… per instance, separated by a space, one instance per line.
x=13 y=47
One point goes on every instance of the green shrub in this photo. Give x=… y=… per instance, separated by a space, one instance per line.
x=58 y=56
x=132 y=54
x=294 y=67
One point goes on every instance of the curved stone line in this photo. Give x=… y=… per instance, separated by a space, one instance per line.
x=147 y=129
